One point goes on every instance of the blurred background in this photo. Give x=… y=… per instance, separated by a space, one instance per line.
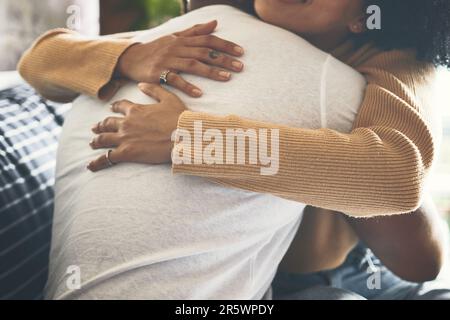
x=21 y=21
x=440 y=179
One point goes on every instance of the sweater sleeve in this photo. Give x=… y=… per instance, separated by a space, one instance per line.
x=61 y=64
x=377 y=169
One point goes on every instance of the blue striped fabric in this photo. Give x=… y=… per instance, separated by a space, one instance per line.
x=29 y=129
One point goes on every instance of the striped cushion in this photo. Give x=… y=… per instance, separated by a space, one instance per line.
x=29 y=129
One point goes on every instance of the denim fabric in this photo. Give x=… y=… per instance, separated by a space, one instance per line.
x=361 y=274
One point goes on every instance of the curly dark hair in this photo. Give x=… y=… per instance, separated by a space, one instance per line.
x=423 y=25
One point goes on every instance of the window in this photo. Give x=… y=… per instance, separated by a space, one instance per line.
x=440 y=179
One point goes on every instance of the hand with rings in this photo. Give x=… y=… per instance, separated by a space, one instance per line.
x=143 y=134
x=193 y=51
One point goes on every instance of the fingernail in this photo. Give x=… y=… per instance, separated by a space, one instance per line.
x=224 y=74
x=197 y=92
x=238 y=50
x=237 y=65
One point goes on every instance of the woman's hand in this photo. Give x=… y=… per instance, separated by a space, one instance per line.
x=194 y=51
x=143 y=135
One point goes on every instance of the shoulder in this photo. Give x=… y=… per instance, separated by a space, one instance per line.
x=401 y=74
x=386 y=67
x=406 y=89
x=401 y=64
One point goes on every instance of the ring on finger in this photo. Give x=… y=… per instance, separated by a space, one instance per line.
x=214 y=54
x=163 y=77
x=108 y=159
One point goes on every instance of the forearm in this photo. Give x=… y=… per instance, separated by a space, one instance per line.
x=372 y=171
x=322 y=242
x=61 y=64
x=377 y=169
x=410 y=245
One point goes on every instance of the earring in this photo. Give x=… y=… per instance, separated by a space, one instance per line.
x=356 y=27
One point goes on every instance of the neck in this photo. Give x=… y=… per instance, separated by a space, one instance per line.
x=327 y=43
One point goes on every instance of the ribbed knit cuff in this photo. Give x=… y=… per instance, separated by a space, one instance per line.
x=101 y=82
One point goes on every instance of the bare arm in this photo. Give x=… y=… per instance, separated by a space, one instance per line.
x=410 y=245
x=323 y=241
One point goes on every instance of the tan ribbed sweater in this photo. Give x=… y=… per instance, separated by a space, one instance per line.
x=377 y=169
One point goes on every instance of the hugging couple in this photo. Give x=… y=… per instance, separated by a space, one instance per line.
x=358 y=133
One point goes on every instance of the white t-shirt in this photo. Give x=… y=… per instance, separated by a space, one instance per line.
x=138 y=232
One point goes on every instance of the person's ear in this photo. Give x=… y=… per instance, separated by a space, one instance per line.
x=358 y=25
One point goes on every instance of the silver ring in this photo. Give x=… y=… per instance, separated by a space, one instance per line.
x=108 y=158
x=214 y=54
x=163 y=77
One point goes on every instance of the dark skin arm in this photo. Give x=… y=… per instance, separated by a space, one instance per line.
x=410 y=245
